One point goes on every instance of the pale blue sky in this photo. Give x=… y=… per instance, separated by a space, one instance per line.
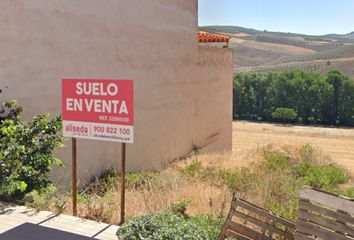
x=315 y=17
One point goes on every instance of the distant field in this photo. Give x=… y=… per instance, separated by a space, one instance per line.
x=262 y=56
x=252 y=53
x=345 y=65
x=337 y=143
x=344 y=51
x=256 y=50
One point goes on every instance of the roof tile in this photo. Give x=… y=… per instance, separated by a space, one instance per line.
x=212 y=37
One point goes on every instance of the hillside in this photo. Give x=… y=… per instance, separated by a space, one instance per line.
x=257 y=50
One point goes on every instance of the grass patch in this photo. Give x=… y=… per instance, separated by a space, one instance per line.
x=196 y=194
x=141 y=180
x=45 y=199
x=275 y=161
x=102 y=184
x=241 y=181
x=274 y=183
x=196 y=170
x=326 y=177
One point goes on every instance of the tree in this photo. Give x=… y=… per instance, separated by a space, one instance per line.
x=342 y=100
x=284 y=114
x=26 y=151
x=323 y=99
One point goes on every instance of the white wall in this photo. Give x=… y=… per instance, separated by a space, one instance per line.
x=182 y=91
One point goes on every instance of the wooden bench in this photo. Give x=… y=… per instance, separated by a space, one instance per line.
x=322 y=215
x=250 y=222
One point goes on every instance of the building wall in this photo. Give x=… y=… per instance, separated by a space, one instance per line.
x=182 y=91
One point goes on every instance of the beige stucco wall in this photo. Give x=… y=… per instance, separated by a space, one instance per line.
x=182 y=91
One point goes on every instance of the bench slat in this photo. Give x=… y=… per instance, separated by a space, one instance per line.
x=341 y=217
x=299 y=235
x=325 y=222
x=247 y=221
x=315 y=230
x=262 y=224
x=331 y=200
x=264 y=213
x=324 y=215
x=248 y=232
x=231 y=234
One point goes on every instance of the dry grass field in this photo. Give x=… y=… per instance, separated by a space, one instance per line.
x=207 y=180
x=344 y=65
x=256 y=50
x=336 y=143
x=252 y=53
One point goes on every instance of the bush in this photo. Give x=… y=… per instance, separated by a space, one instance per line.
x=195 y=169
x=324 y=177
x=9 y=111
x=284 y=114
x=172 y=224
x=141 y=180
x=40 y=200
x=210 y=223
x=26 y=151
x=165 y=226
x=180 y=207
x=102 y=184
x=241 y=181
x=275 y=161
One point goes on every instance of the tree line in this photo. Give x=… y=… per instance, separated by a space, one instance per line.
x=316 y=99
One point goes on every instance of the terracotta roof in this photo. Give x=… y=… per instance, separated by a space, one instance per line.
x=212 y=37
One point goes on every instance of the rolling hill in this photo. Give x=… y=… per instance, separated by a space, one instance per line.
x=257 y=50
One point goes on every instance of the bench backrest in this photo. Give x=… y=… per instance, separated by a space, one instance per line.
x=247 y=221
x=322 y=215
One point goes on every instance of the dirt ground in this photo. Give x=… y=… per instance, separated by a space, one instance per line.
x=337 y=143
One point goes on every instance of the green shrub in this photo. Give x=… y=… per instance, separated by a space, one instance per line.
x=284 y=114
x=172 y=224
x=324 y=177
x=307 y=153
x=40 y=200
x=282 y=197
x=9 y=110
x=84 y=197
x=100 y=185
x=275 y=161
x=180 y=207
x=109 y=178
x=243 y=180
x=26 y=151
x=210 y=223
x=140 y=180
x=193 y=168
x=229 y=178
x=164 y=226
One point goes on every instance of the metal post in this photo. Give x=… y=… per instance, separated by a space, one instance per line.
x=122 y=190
x=74 y=176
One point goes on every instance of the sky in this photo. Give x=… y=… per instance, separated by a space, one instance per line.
x=314 y=17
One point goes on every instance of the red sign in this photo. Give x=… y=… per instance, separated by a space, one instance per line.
x=98 y=109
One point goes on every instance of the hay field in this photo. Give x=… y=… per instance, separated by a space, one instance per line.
x=336 y=143
x=252 y=53
x=207 y=180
